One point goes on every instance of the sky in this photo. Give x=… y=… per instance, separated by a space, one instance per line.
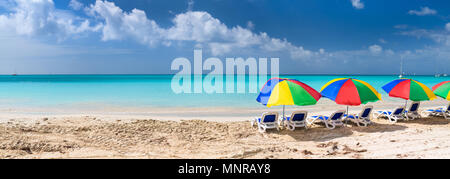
x=144 y=36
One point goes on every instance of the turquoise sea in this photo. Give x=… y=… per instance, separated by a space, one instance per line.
x=143 y=90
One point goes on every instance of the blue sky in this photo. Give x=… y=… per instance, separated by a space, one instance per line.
x=144 y=36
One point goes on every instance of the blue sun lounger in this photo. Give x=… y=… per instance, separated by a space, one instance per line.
x=297 y=119
x=362 y=118
x=331 y=122
x=267 y=121
x=393 y=116
x=413 y=111
x=442 y=111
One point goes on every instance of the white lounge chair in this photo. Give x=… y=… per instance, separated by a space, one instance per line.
x=267 y=121
x=331 y=122
x=442 y=111
x=363 y=118
x=393 y=116
x=297 y=119
x=413 y=111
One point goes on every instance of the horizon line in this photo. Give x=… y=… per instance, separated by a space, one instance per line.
x=287 y=74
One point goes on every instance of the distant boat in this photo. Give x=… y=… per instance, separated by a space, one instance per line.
x=401 y=67
x=14 y=74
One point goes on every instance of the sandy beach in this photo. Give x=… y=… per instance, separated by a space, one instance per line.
x=127 y=136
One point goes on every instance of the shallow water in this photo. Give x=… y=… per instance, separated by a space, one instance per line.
x=145 y=90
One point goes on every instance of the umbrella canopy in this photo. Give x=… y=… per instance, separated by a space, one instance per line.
x=349 y=91
x=442 y=89
x=409 y=89
x=282 y=91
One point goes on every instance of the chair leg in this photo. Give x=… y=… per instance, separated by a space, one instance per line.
x=291 y=127
x=310 y=121
x=261 y=128
x=333 y=126
x=281 y=122
x=358 y=121
x=367 y=122
x=327 y=124
x=392 y=119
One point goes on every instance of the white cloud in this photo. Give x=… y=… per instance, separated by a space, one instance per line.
x=423 y=11
x=375 y=49
x=192 y=26
x=39 y=17
x=441 y=37
x=120 y=25
x=197 y=26
x=75 y=4
x=321 y=51
x=381 y=40
x=357 y=4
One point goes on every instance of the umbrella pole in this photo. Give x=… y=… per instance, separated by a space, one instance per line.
x=406 y=114
x=346 y=117
x=282 y=120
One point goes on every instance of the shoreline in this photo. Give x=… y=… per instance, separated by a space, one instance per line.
x=225 y=114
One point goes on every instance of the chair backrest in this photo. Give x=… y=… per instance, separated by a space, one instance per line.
x=337 y=115
x=269 y=117
x=414 y=107
x=398 y=111
x=298 y=115
x=366 y=111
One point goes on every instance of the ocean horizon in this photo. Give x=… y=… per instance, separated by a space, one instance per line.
x=149 y=90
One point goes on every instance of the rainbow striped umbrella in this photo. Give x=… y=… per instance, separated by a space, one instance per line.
x=282 y=91
x=350 y=92
x=442 y=89
x=409 y=89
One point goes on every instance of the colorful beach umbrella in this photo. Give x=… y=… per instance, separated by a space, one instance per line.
x=442 y=89
x=409 y=89
x=350 y=92
x=282 y=91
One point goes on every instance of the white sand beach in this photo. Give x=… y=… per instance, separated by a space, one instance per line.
x=213 y=133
